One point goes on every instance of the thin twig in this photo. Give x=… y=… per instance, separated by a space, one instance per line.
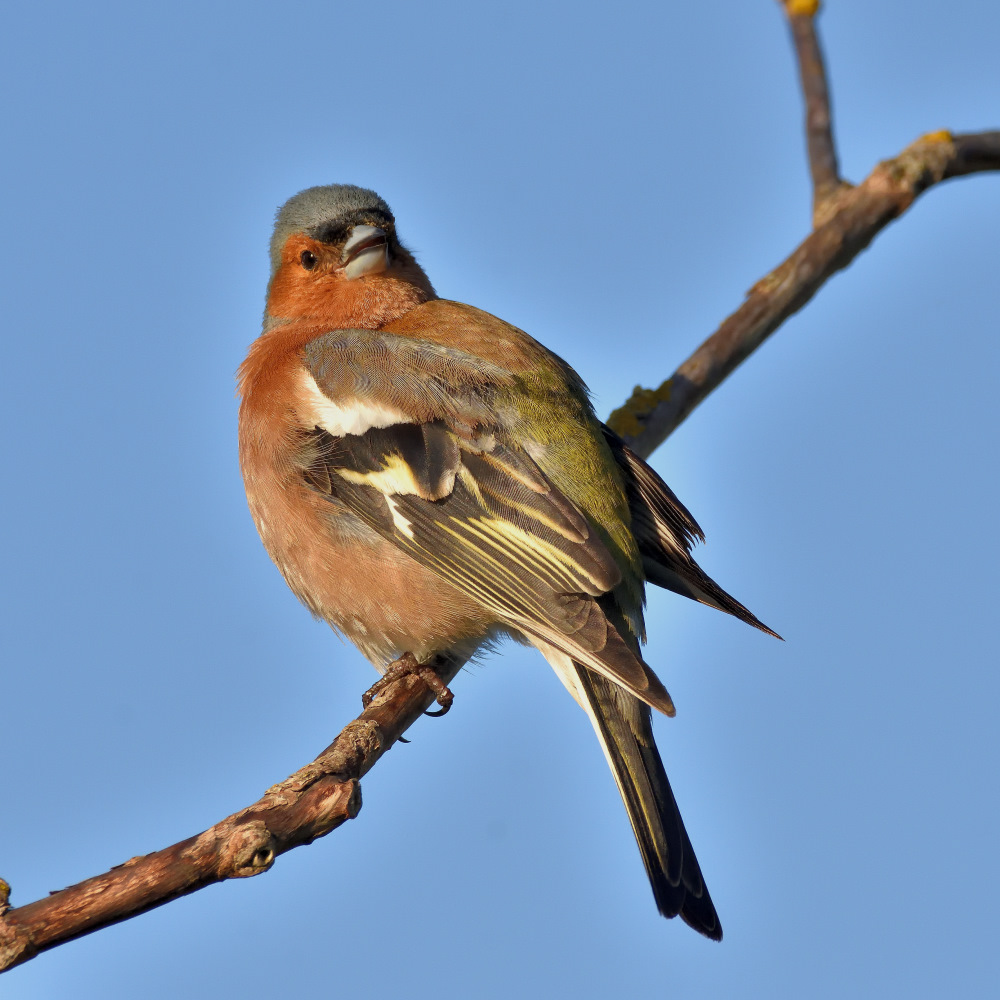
x=826 y=181
x=649 y=416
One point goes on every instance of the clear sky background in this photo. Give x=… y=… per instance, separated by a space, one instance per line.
x=611 y=178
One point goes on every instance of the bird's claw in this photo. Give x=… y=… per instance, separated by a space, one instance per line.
x=408 y=664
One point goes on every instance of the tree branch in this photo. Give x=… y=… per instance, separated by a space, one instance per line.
x=309 y=804
x=649 y=416
x=826 y=180
x=322 y=795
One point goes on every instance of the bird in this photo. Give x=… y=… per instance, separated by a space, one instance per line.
x=430 y=480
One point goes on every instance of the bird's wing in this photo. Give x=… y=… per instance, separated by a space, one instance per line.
x=453 y=491
x=666 y=532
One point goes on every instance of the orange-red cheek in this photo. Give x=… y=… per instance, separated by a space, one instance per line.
x=323 y=295
x=295 y=295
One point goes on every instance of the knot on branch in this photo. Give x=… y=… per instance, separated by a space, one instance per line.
x=250 y=850
x=337 y=802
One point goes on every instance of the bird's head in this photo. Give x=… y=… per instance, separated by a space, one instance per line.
x=336 y=259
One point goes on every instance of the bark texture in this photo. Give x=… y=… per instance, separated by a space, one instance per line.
x=855 y=216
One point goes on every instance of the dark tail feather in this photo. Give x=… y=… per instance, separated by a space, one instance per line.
x=699 y=586
x=624 y=727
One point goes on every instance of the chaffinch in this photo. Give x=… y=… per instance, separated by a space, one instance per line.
x=430 y=479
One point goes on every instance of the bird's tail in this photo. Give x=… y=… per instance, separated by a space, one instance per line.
x=623 y=726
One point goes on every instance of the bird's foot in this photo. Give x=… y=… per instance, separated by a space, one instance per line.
x=409 y=664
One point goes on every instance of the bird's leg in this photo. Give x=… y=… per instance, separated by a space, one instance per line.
x=408 y=664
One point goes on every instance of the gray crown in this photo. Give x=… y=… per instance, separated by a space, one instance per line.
x=315 y=206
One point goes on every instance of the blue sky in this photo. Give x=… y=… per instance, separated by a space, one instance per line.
x=611 y=179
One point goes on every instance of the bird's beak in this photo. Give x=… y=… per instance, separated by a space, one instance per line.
x=365 y=252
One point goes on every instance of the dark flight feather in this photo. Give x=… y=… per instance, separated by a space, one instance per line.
x=666 y=533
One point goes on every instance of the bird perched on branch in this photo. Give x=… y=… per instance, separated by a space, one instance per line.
x=430 y=479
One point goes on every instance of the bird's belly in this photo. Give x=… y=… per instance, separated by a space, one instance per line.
x=384 y=601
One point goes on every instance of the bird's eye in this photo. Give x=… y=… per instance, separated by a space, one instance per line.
x=308 y=259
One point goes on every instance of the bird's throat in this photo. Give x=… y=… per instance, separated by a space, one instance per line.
x=342 y=304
